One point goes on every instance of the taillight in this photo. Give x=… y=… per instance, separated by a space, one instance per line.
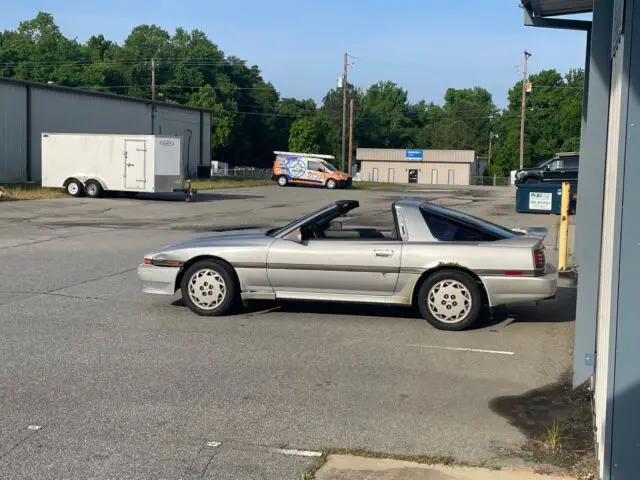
x=539 y=259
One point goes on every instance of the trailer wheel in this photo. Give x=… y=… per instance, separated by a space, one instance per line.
x=93 y=189
x=74 y=187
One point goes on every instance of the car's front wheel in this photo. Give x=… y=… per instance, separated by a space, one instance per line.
x=209 y=288
x=450 y=300
x=331 y=183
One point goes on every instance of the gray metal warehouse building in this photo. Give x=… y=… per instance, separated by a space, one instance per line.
x=27 y=109
x=607 y=242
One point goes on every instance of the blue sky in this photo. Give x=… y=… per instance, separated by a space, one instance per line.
x=425 y=46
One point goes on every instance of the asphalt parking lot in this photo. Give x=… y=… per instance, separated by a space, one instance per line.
x=101 y=381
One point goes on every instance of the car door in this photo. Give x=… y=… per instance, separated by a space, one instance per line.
x=334 y=267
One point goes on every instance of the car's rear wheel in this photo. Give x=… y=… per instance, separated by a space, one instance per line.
x=450 y=300
x=282 y=181
x=331 y=183
x=209 y=288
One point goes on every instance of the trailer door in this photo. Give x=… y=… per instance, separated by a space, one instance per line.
x=135 y=152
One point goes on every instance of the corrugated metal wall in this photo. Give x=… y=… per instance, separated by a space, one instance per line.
x=59 y=110
x=398 y=172
x=64 y=112
x=442 y=156
x=13 y=133
x=185 y=124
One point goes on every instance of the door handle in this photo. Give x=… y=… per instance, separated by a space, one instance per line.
x=383 y=253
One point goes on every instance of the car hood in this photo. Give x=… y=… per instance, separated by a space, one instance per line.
x=215 y=237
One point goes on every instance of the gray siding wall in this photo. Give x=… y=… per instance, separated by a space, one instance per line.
x=183 y=124
x=13 y=133
x=66 y=111
x=206 y=139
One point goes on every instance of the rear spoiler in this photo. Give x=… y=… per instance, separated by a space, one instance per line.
x=540 y=232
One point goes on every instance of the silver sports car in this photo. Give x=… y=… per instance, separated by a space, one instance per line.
x=446 y=263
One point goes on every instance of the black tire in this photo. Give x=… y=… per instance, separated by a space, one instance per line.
x=473 y=296
x=93 y=189
x=532 y=180
x=331 y=184
x=213 y=268
x=282 y=181
x=74 y=187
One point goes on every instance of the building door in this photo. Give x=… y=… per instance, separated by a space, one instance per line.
x=376 y=175
x=392 y=175
x=451 y=180
x=434 y=176
x=135 y=152
x=413 y=175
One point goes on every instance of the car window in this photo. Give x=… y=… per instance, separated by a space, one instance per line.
x=453 y=225
x=448 y=230
x=555 y=165
x=571 y=162
x=315 y=166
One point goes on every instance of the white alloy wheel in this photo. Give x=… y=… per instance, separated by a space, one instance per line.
x=207 y=289
x=449 y=301
x=331 y=183
x=282 y=181
x=74 y=188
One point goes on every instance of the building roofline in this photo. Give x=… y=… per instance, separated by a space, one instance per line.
x=112 y=96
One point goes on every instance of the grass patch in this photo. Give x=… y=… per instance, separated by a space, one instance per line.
x=28 y=192
x=230 y=182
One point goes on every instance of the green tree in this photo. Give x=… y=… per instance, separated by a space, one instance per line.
x=304 y=136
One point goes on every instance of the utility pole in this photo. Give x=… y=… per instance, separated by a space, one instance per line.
x=523 y=108
x=350 y=134
x=344 y=111
x=153 y=79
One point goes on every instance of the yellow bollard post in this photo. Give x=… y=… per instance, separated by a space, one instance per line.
x=563 y=234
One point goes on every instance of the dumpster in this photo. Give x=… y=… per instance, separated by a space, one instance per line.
x=543 y=198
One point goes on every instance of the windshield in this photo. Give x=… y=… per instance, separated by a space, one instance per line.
x=275 y=231
x=544 y=162
x=329 y=167
x=493 y=228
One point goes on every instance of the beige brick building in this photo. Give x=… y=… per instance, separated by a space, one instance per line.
x=429 y=167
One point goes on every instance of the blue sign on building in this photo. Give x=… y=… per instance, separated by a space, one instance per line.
x=414 y=155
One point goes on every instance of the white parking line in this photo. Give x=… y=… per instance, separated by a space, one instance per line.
x=299 y=453
x=441 y=347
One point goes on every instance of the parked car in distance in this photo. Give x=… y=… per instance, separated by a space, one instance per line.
x=446 y=263
x=563 y=167
x=308 y=169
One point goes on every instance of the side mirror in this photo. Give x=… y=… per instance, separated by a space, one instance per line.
x=294 y=236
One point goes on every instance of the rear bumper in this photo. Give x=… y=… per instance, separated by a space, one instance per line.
x=511 y=290
x=158 y=280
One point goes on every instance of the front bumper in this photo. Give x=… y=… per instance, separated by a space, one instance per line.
x=158 y=280
x=511 y=290
x=345 y=183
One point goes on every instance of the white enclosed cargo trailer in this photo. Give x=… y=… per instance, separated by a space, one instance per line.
x=89 y=164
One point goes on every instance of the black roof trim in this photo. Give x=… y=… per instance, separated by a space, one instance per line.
x=112 y=96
